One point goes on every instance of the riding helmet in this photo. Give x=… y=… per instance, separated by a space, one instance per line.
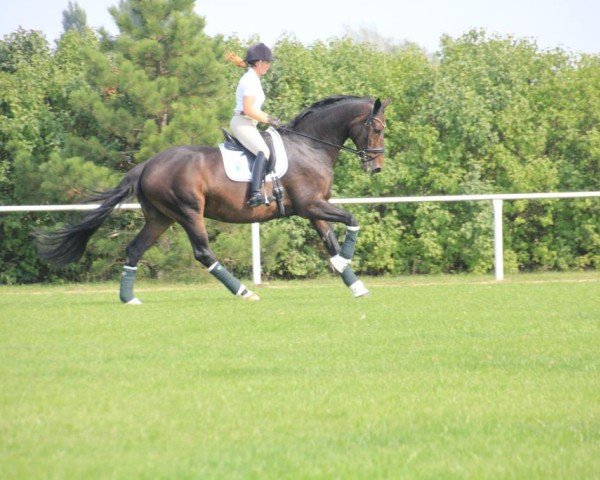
x=258 y=52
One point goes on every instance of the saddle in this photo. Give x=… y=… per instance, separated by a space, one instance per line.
x=238 y=161
x=233 y=144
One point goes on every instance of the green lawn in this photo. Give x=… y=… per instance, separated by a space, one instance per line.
x=430 y=377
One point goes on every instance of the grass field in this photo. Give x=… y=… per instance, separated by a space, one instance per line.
x=434 y=377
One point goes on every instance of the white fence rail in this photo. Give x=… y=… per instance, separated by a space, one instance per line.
x=497 y=203
x=496 y=199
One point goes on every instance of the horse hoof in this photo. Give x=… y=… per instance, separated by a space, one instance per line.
x=359 y=290
x=134 y=301
x=251 y=296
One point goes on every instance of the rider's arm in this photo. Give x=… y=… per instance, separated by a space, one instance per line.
x=252 y=112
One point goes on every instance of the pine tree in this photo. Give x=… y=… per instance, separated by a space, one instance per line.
x=157 y=83
x=74 y=18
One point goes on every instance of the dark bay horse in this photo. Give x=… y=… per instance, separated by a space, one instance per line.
x=185 y=184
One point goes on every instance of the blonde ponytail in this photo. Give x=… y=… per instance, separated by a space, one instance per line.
x=235 y=59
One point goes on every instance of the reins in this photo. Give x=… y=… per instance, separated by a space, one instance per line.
x=325 y=142
x=362 y=154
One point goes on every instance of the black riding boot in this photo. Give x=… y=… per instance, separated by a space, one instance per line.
x=258 y=172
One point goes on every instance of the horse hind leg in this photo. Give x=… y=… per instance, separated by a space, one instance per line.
x=154 y=228
x=356 y=286
x=196 y=231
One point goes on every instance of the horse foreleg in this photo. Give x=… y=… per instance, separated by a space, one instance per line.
x=344 y=257
x=333 y=247
x=199 y=239
x=323 y=210
x=153 y=229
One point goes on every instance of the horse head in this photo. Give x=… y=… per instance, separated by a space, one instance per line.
x=367 y=135
x=333 y=120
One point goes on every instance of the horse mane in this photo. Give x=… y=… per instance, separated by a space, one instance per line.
x=317 y=106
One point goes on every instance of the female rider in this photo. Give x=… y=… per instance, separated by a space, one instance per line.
x=249 y=98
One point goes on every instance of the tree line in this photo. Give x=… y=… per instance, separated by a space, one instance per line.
x=485 y=114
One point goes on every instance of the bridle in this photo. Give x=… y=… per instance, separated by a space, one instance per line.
x=366 y=154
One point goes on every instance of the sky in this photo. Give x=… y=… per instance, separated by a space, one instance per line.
x=573 y=25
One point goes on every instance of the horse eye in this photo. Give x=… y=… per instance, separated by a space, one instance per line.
x=377 y=131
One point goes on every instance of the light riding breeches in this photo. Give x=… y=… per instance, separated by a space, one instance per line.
x=244 y=129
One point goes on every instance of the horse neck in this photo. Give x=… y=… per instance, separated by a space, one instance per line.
x=332 y=125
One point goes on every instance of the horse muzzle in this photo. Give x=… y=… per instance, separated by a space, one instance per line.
x=373 y=165
x=372 y=159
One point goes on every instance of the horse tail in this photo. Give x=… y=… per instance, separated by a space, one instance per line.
x=68 y=244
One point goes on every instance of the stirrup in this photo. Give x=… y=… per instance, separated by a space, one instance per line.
x=256 y=200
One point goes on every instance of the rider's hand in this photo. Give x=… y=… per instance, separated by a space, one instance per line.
x=274 y=122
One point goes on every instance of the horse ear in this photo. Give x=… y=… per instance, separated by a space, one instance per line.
x=376 y=107
x=386 y=102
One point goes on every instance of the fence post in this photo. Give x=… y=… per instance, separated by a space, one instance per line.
x=256 y=265
x=498 y=240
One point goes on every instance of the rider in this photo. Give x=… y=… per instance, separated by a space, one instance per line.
x=247 y=114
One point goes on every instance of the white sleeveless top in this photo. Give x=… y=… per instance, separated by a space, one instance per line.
x=249 y=86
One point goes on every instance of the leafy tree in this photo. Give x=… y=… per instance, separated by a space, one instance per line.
x=34 y=83
x=496 y=113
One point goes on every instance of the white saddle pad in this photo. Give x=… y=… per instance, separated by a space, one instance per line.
x=236 y=163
